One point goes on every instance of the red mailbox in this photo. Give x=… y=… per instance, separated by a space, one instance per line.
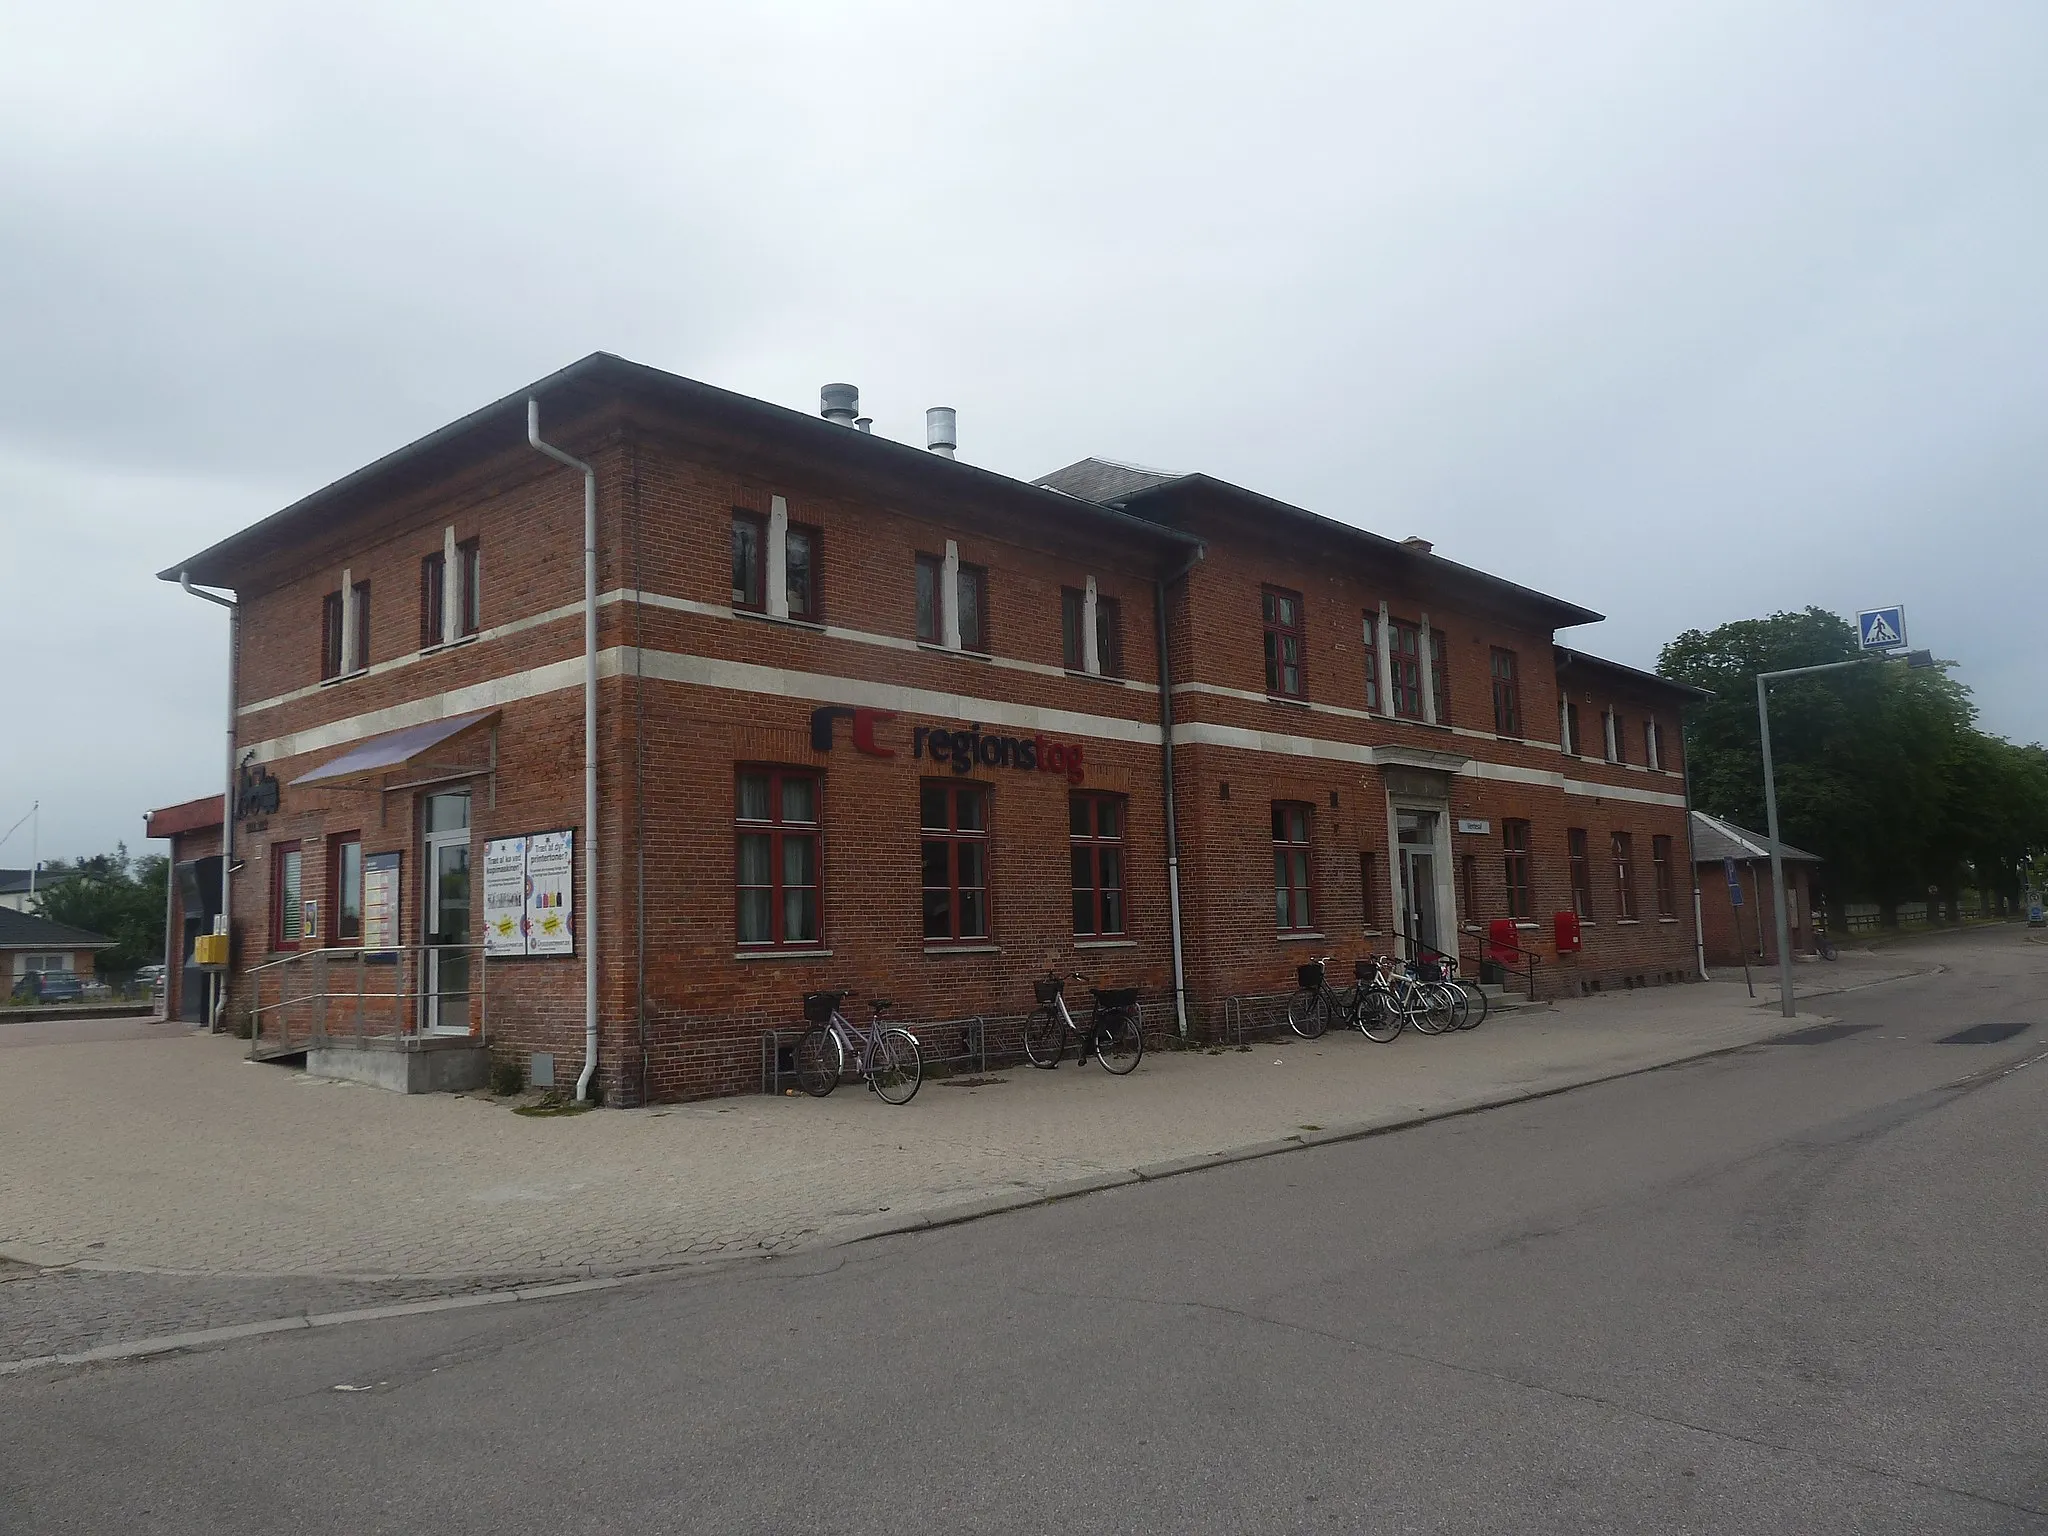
x=1566 y=925
x=1502 y=941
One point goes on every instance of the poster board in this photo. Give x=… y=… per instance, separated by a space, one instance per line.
x=381 y=886
x=530 y=895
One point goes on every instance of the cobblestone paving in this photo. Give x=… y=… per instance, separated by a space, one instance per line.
x=232 y=1192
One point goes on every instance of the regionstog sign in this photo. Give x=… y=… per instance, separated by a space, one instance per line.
x=961 y=749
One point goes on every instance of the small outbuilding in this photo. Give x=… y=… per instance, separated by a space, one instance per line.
x=30 y=943
x=1734 y=930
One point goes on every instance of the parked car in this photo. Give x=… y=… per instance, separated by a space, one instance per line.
x=49 y=987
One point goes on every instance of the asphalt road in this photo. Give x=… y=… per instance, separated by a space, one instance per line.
x=1793 y=1289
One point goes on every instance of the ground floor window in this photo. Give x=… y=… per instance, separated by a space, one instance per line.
x=1096 y=851
x=345 y=887
x=775 y=821
x=1660 y=866
x=953 y=820
x=45 y=963
x=1582 y=872
x=1514 y=844
x=287 y=910
x=1291 y=824
x=1624 y=877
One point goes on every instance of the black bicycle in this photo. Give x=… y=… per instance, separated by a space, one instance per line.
x=1367 y=1007
x=1114 y=1033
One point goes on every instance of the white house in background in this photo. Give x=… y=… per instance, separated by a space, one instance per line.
x=14 y=890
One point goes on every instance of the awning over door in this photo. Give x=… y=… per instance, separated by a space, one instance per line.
x=364 y=763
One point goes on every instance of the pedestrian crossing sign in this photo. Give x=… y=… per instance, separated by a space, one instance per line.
x=1881 y=629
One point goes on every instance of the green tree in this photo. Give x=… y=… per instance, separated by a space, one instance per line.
x=113 y=895
x=1881 y=769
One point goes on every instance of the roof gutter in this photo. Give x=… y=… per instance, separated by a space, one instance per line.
x=217 y=982
x=589 y=741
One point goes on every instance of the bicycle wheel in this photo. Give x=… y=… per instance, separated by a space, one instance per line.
x=1378 y=1018
x=1119 y=1040
x=1417 y=1012
x=1045 y=1038
x=898 y=1067
x=819 y=1061
x=1482 y=1005
x=1436 y=1004
x=1461 y=1004
x=1308 y=1013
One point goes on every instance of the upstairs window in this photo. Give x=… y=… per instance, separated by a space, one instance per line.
x=1109 y=636
x=1514 y=844
x=1582 y=873
x=330 y=635
x=800 y=551
x=1280 y=617
x=337 y=617
x=749 y=551
x=1653 y=745
x=433 y=598
x=1073 y=621
x=1405 y=648
x=1372 y=662
x=434 y=594
x=1292 y=822
x=1571 y=728
x=1624 y=877
x=1440 y=676
x=1109 y=653
x=973 y=599
x=469 y=594
x=931 y=575
x=1507 y=694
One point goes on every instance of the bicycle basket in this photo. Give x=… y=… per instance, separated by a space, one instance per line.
x=1429 y=970
x=1367 y=969
x=1048 y=991
x=1115 y=997
x=819 y=1006
x=1310 y=976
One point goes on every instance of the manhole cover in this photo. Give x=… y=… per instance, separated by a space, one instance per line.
x=1984 y=1034
x=1820 y=1034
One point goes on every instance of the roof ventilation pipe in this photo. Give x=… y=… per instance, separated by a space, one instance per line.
x=840 y=403
x=941 y=434
x=1420 y=546
x=866 y=423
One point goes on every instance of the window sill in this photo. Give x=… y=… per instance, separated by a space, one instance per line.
x=1667 y=920
x=1628 y=922
x=1287 y=698
x=1082 y=675
x=815 y=626
x=782 y=954
x=450 y=645
x=1297 y=937
x=1526 y=927
x=346 y=677
x=1105 y=943
x=933 y=951
x=954 y=650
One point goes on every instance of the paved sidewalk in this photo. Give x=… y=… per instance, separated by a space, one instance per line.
x=173 y=1154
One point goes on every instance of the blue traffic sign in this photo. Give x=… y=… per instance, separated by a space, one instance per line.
x=1881 y=629
x=1734 y=894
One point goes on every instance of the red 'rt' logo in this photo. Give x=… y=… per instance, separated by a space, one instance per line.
x=864 y=722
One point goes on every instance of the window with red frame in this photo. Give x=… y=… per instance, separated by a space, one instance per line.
x=749 y=555
x=973 y=597
x=345 y=887
x=1372 y=662
x=1507 y=693
x=1095 y=845
x=433 y=596
x=1293 y=822
x=775 y=823
x=287 y=896
x=1581 y=871
x=802 y=549
x=1624 y=877
x=1514 y=860
x=1440 y=675
x=1660 y=868
x=954 y=853
x=1404 y=644
x=1280 y=619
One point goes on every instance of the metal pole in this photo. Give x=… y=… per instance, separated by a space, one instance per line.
x=1787 y=1003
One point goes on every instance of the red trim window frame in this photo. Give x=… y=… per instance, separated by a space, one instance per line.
x=469 y=566
x=749 y=560
x=1281 y=628
x=433 y=594
x=1109 y=636
x=1624 y=847
x=931 y=602
x=1404 y=647
x=1440 y=675
x=1372 y=662
x=1073 y=608
x=1507 y=693
x=1514 y=860
x=1579 y=861
x=1660 y=870
x=1293 y=866
x=345 y=888
x=953 y=858
x=330 y=635
x=287 y=868
x=1095 y=851
x=808 y=601
x=973 y=599
x=778 y=858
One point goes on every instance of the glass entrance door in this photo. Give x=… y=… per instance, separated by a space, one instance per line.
x=1415 y=832
x=444 y=866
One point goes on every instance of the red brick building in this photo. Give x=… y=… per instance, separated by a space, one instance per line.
x=868 y=715
x=1749 y=927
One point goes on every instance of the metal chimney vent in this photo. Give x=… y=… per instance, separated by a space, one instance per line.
x=1420 y=546
x=840 y=403
x=866 y=423
x=941 y=432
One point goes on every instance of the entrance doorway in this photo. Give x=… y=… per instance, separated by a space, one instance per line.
x=1415 y=834
x=444 y=870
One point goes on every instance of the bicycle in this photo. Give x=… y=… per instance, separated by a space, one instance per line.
x=1367 y=1007
x=1462 y=996
x=1427 y=1007
x=1114 y=1033
x=1822 y=944
x=886 y=1058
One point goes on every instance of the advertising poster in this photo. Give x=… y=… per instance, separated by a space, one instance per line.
x=380 y=901
x=550 y=893
x=505 y=897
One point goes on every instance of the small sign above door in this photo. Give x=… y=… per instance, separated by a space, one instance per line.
x=1474 y=826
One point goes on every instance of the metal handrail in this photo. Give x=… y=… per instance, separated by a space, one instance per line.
x=401 y=999
x=1483 y=945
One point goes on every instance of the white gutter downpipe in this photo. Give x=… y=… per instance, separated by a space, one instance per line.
x=219 y=982
x=589 y=743
x=1169 y=800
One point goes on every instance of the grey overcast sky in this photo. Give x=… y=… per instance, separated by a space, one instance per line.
x=1687 y=312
